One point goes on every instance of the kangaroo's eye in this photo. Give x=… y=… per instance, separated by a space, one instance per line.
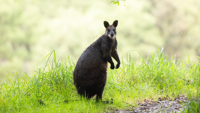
x=108 y=30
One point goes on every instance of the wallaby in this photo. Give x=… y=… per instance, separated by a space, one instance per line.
x=90 y=73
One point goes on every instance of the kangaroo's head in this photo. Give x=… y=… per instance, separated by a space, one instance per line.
x=111 y=29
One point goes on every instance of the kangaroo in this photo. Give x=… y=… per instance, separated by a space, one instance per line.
x=90 y=73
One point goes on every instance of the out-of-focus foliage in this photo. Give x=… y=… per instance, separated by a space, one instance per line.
x=29 y=29
x=117 y=1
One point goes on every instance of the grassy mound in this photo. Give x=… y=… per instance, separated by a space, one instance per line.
x=50 y=87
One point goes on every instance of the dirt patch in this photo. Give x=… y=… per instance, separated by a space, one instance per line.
x=162 y=105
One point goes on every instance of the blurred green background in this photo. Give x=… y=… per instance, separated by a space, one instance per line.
x=30 y=29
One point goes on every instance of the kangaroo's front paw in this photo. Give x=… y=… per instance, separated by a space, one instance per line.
x=112 y=66
x=117 y=66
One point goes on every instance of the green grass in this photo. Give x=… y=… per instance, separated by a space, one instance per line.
x=48 y=88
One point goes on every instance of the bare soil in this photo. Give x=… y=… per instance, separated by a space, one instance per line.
x=162 y=105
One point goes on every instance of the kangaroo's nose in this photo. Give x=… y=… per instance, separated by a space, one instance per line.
x=111 y=35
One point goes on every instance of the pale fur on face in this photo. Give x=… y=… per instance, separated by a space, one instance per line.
x=111 y=32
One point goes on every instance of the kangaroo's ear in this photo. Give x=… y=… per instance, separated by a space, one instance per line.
x=115 y=23
x=106 y=24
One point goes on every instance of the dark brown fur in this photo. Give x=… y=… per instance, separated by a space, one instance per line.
x=90 y=73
